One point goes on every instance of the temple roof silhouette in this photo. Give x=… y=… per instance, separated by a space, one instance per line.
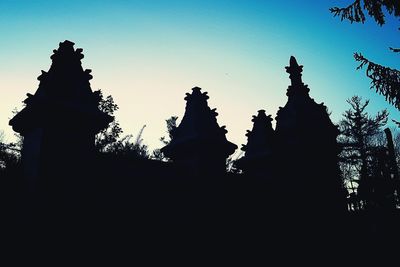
x=198 y=131
x=260 y=139
x=302 y=119
x=64 y=95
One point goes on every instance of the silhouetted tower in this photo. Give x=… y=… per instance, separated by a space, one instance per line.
x=199 y=143
x=60 y=121
x=258 y=156
x=307 y=150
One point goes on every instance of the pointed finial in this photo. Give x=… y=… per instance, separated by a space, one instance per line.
x=293 y=61
x=67 y=43
x=295 y=71
x=64 y=47
x=196 y=89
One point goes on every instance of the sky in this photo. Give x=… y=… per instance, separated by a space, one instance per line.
x=148 y=54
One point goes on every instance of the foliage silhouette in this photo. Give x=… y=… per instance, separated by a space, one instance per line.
x=385 y=80
x=10 y=154
x=128 y=148
x=171 y=126
x=358 y=131
x=107 y=137
x=355 y=12
x=108 y=140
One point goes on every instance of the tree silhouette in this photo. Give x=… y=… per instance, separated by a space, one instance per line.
x=171 y=126
x=128 y=148
x=358 y=139
x=385 y=80
x=396 y=141
x=107 y=137
x=10 y=153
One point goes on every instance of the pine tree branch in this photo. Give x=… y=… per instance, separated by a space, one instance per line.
x=396 y=122
x=396 y=50
x=353 y=12
x=384 y=80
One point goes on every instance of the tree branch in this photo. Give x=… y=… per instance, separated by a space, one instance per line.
x=384 y=80
x=353 y=12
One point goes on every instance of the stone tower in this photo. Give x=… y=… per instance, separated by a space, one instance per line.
x=307 y=150
x=199 y=143
x=258 y=155
x=59 y=122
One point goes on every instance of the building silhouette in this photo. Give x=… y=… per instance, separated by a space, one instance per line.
x=199 y=143
x=258 y=159
x=307 y=150
x=290 y=180
x=58 y=124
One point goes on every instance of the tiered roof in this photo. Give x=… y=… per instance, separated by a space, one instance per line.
x=306 y=150
x=302 y=119
x=64 y=96
x=198 y=131
x=260 y=139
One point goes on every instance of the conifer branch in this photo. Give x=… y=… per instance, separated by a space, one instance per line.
x=384 y=80
x=395 y=50
x=355 y=12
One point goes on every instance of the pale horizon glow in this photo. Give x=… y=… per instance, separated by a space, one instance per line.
x=148 y=54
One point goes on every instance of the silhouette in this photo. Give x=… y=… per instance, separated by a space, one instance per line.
x=198 y=142
x=306 y=141
x=108 y=137
x=392 y=164
x=384 y=80
x=58 y=124
x=355 y=12
x=171 y=125
x=290 y=189
x=258 y=157
x=292 y=172
x=358 y=130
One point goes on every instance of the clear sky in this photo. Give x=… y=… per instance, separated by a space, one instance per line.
x=147 y=54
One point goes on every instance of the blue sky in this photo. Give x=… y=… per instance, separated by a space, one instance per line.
x=148 y=54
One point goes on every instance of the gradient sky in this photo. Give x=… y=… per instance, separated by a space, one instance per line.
x=148 y=54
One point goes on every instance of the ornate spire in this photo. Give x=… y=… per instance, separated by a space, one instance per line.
x=308 y=114
x=306 y=149
x=64 y=92
x=198 y=131
x=295 y=71
x=258 y=149
x=66 y=76
x=259 y=139
x=297 y=85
